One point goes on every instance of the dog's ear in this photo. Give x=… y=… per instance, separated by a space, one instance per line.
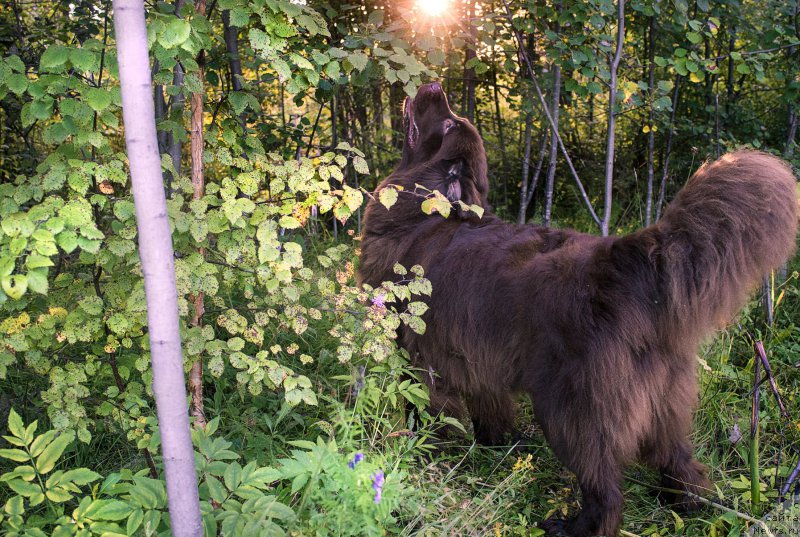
x=454 y=181
x=410 y=124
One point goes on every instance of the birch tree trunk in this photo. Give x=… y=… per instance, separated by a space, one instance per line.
x=551 y=164
x=158 y=266
x=554 y=137
x=612 y=118
x=526 y=165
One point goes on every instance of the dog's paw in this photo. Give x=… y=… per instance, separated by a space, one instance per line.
x=557 y=526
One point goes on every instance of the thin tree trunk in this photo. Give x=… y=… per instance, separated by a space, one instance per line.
x=670 y=132
x=788 y=148
x=160 y=111
x=174 y=146
x=794 y=117
x=232 y=46
x=282 y=98
x=651 y=135
x=377 y=105
x=612 y=118
x=396 y=100
x=198 y=182
x=729 y=82
x=535 y=179
x=551 y=164
x=158 y=267
x=502 y=138
x=468 y=96
x=526 y=166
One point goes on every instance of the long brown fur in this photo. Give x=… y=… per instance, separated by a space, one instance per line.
x=601 y=333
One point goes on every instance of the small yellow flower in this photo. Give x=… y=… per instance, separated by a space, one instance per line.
x=523 y=464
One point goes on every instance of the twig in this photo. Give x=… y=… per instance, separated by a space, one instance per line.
x=755 y=491
x=790 y=481
x=761 y=353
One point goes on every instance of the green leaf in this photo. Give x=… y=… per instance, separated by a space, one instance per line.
x=37 y=281
x=358 y=60
x=84 y=60
x=50 y=455
x=42 y=441
x=58 y=495
x=694 y=37
x=15 y=506
x=239 y=17
x=215 y=489
x=80 y=476
x=289 y=222
x=376 y=17
x=34 y=261
x=98 y=98
x=16 y=455
x=417 y=308
x=54 y=56
x=24 y=488
x=108 y=510
x=388 y=196
x=436 y=204
x=360 y=165
x=282 y=68
x=15 y=425
x=134 y=521
x=353 y=198
x=14 y=286
x=175 y=33
x=67 y=240
x=436 y=57
x=17 y=83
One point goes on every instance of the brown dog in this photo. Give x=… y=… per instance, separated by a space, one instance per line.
x=602 y=333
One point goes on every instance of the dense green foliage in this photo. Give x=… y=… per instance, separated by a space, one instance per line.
x=301 y=371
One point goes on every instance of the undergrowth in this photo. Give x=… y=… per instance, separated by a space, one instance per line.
x=367 y=459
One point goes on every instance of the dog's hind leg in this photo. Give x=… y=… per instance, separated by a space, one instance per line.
x=669 y=451
x=602 y=501
x=492 y=416
x=673 y=458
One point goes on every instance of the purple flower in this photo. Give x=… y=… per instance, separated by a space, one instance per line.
x=358 y=458
x=379 y=300
x=377 y=485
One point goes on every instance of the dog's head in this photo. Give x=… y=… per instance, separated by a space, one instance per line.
x=449 y=148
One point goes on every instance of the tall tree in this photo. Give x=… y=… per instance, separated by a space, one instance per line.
x=612 y=118
x=158 y=266
x=199 y=187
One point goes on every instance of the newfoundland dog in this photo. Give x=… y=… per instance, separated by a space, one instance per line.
x=601 y=333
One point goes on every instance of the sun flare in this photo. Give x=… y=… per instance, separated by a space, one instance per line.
x=433 y=8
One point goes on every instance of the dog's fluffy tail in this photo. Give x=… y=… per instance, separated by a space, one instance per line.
x=734 y=221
